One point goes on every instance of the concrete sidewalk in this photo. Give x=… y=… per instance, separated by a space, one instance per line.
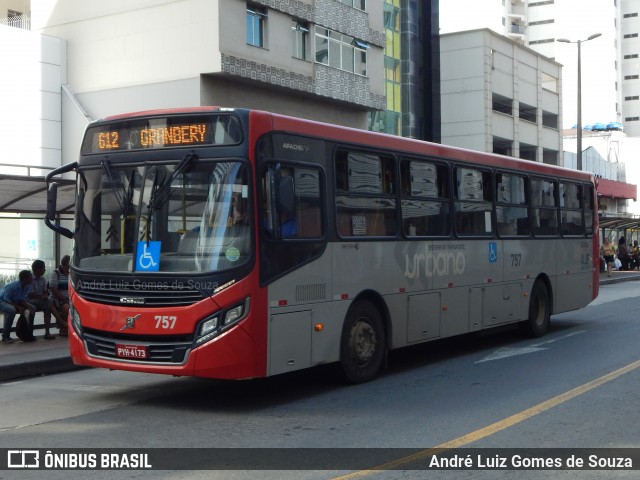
x=44 y=357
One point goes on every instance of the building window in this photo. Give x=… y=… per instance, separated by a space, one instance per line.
x=16 y=19
x=549 y=119
x=633 y=55
x=340 y=51
x=256 y=20
x=631 y=35
x=359 y=4
x=528 y=152
x=502 y=146
x=631 y=77
x=631 y=119
x=502 y=104
x=300 y=39
x=391 y=17
x=634 y=97
x=527 y=112
x=549 y=82
x=550 y=157
x=628 y=15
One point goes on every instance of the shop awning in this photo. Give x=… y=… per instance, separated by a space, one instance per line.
x=615 y=189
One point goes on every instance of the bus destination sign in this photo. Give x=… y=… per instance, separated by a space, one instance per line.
x=160 y=133
x=155 y=137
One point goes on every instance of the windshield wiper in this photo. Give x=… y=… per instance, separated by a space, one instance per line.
x=160 y=193
x=118 y=193
x=123 y=197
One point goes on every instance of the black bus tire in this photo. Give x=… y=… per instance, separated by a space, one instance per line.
x=363 y=343
x=539 y=310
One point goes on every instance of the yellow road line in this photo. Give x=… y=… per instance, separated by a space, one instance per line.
x=498 y=426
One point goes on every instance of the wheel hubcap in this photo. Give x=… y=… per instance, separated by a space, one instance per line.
x=362 y=342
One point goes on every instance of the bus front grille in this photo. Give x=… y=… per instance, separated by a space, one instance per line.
x=166 y=351
x=158 y=297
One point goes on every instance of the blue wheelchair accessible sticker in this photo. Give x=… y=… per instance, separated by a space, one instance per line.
x=148 y=257
x=493 y=252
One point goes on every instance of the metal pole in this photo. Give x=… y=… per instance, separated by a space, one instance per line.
x=579 y=126
x=579 y=123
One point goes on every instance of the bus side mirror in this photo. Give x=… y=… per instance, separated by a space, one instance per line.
x=52 y=200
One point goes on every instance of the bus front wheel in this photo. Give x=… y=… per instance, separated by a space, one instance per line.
x=539 y=310
x=362 y=346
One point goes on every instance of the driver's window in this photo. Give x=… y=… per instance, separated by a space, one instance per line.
x=292 y=202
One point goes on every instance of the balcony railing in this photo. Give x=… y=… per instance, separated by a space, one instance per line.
x=17 y=21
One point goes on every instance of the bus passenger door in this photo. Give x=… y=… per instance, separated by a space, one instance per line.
x=424 y=317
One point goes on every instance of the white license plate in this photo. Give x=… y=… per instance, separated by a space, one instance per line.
x=131 y=351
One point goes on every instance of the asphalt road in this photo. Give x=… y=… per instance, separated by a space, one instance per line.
x=575 y=388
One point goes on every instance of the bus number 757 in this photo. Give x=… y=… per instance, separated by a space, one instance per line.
x=165 y=322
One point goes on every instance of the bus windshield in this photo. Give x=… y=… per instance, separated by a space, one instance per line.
x=187 y=216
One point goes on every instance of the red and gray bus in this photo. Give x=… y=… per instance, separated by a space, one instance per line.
x=234 y=244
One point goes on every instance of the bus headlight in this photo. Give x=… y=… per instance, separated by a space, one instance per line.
x=233 y=315
x=75 y=319
x=220 y=321
x=208 y=329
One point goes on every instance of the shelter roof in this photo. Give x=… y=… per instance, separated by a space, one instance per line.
x=23 y=194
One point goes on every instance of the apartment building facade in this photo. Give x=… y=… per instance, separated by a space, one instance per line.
x=500 y=96
x=609 y=68
x=320 y=59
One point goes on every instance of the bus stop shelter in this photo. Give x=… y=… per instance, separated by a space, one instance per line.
x=27 y=196
x=23 y=194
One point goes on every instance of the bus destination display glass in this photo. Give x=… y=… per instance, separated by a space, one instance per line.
x=163 y=132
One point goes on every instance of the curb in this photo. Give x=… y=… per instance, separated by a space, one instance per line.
x=36 y=368
x=611 y=280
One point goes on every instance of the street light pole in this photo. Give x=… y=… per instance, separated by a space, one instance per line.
x=579 y=122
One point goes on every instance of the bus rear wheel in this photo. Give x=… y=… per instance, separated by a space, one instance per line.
x=539 y=310
x=363 y=345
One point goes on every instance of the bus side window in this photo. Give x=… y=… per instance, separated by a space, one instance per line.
x=511 y=205
x=473 y=202
x=571 y=221
x=298 y=207
x=365 y=194
x=425 y=199
x=545 y=207
x=588 y=206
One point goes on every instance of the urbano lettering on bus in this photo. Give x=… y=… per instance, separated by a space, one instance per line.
x=439 y=263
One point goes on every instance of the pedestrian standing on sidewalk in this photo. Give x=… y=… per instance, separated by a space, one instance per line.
x=13 y=300
x=59 y=285
x=608 y=253
x=623 y=254
x=39 y=297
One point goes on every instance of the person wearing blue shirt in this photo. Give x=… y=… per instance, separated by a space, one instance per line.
x=13 y=300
